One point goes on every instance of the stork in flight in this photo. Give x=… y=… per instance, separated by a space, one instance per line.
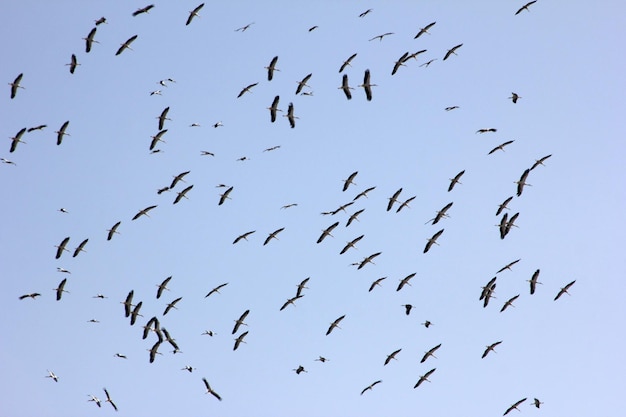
x=490 y=348
x=193 y=13
x=452 y=51
x=367 y=86
x=391 y=356
x=514 y=406
x=525 y=7
x=126 y=45
x=433 y=240
x=430 y=353
x=345 y=87
x=424 y=30
x=271 y=68
x=16 y=84
x=370 y=386
x=335 y=324
x=563 y=290
x=240 y=321
x=424 y=377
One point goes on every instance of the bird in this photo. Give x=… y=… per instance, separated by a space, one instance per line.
x=432 y=240
x=240 y=340
x=299 y=370
x=345 y=87
x=407 y=308
x=52 y=376
x=503 y=205
x=273 y=235
x=346 y=63
x=424 y=30
x=487 y=130
x=303 y=83
x=509 y=302
x=144 y=212
x=340 y=208
x=89 y=40
x=225 y=196
x=380 y=37
x=209 y=333
x=178 y=178
x=312 y=28
x=539 y=162
x=163 y=117
x=240 y=321
x=61 y=247
x=163 y=286
x=243 y=236
x=405 y=281
x=182 y=194
x=274 y=108
x=363 y=193
x=291 y=301
x=368 y=259
x=514 y=97
x=391 y=356
x=490 y=348
x=157 y=138
x=564 y=290
x=271 y=68
x=6 y=161
x=376 y=282
x=95 y=400
x=501 y=146
x=60 y=289
x=393 y=199
x=246 y=89
x=302 y=286
x=170 y=340
x=335 y=324
x=100 y=21
x=73 y=64
x=525 y=7
x=322 y=359
x=455 y=180
x=113 y=230
x=441 y=214
x=349 y=180
x=119 y=355
x=126 y=45
x=327 y=231
x=155 y=348
x=290 y=116
x=537 y=403
x=63 y=210
x=508 y=266
x=63 y=270
x=244 y=28
x=286 y=206
x=109 y=400
x=128 y=303
x=205 y=153
x=424 y=377
x=522 y=182
x=514 y=406
x=61 y=132
x=33 y=295
x=427 y=324
x=17 y=139
x=450 y=108
x=365 y=13
x=135 y=313
x=101 y=296
x=80 y=248
x=430 y=353
x=452 y=51
x=209 y=390
x=145 y=9
x=354 y=216
x=16 y=84
x=406 y=203
x=172 y=305
x=39 y=127
x=414 y=55
x=367 y=86
x=188 y=368
x=194 y=13
x=400 y=62
x=216 y=289
x=155 y=92
x=350 y=244
x=370 y=386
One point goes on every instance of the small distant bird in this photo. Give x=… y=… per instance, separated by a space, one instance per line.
x=61 y=247
x=350 y=244
x=156 y=139
x=407 y=308
x=354 y=216
x=508 y=266
x=60 y=289
x=454 y=181
x=240 y=321
x=240 y=340
x=39 y=127
x=427 y=324
x=145 y=9
x=216 y=289
x=188 y=368
x=299 y=370
x=206 y=153
x=62 y=210
x=490 y=348
x=126 y=45
x=15 y=85
x=312 y=28
x=113 y=230
x=209 y=333
x=363 y=193
x=406 y=203
x=433 y=240
x=286 y=206
x=271 y=68
x=80 y=248
x=392 y=356
x=380 y=37
x=303 y=83
x=17 y=139
x=509 y=302
x=430 y=353
x=537 y=403
x=345 y=87
x=163 y=286
x=393 y=199
x=243 y=236
x=135 y=313
x=31 y=295
x=73 y=64
x=244 y=28
x=327 y=231
x=514 y=97
x=225 y=196
x=427 y=64
x=6 y=161
x=405 y=281
x=367 y=86
x=503 y=205
x=274 y=108
x=347 y=63
x=143 y=212
x=335 y=324
x=501 y=146
x=163 y=117
x=172 y=305
x=369 y=387
x=290 y=116
x=119 y=355
x=52 y=376
x=178 y=178
x=399 y=63
x=424 y=30
x=61 y=132
x=63 y=270
x=368 y=260
x=95 y=400
x=291 y=301
x=182 y=194
x=349 y=180
x=514 y=406
x=487 y=130
x=109 y=400
x=441 y=214
x=194 y=13
x=522 y=182
x=365 y=13
x=451 y=108
x=539 y=162
x=424 y=377
x=321 y=359
x=376 y=283
x=452 y=51
x=564 y=290
x=302 y=286
x=209 y=390
x=246 y=89
x=525 y=7
x=155 y=92
x=273 y=236
x=100 y=21
x=272 y=148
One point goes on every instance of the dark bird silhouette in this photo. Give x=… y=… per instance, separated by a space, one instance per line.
x=441 y=213
x=113 y=230
x=39 y=127
x=452 y=51
x=109 y=400
x=16 y=84
x=299 y=370
x=61 y=132
x=240 y=321
x=345 y=87
x=514 y=97
x=225 y=196
x=354 y=216
x=363 y=193
x=73 y=64
x=182 y=194
x=126 y=45
x=454 y=181
x=143 y=212
x=303 y=83
x=135 y=313
x=209 y=390
x=380 y=37
x=365 y=13
x=392 y=356
x=405 y=203
x=31 y=295
x=271 y=68
x=514 y=406
x=424 y=30
x=172 y=305
x=193 y=13
x=17 y=139
x=327 y=231
x=533 y=281
x=162 y=287
x=393 y=199
x=80 y=248
x=350 y=244
x=291 y=301
x=407 y=308
x=371 y=386
x=509 y=302
x=525 y=7
x=243 y=236
x=246 y=89
x=501 y=146
x=274 y=108
x=564 y=290
x=503 y=205
x=157 y=138
x=273 y=235
x=376 y=282
x=216 y=289
x=61 y=247
x=433 y=240
x=537 y=403
x=145 y=9
x=431 y=352
x=508 y=266
x=349 y=180
x=163 y=117
x=368 y=259
x=290 y=116
x=239 y=340
x=522 y=182
x=490 y=348
x=302 y=286
x=335 y=324
x=346 y=63
x=487 y=130
x=424 y=377
x=128 y=303
x=89 y=40
x=399 y=63
x=367 y=86
x=535 y=165
x=405 y=281
x=60 y=289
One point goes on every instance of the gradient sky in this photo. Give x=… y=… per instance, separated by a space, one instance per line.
x=563 y=59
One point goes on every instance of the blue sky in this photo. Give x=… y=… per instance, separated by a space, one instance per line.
x=561 y=59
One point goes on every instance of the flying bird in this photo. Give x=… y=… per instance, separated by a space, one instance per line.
x=335 y=324
x=240 y=340
x=393 y=199
x=487 y=130
x=391 y=356
x=290 y=116
x=367 y=86
x=350 y=244
x=503 y=205
x=52 y=376
x=376 y=282
x=135 y=313
x=240 y=321
x=244 y=28
x=109 y=400
x=430 y=353
x=433 y=240
x=564 y=290
x=100 y=21
x=354 y=216
x=39 y=127
x=346 y=63
x=16 y=84
x=327 y=231
x=80 y=248
x=349 y=180
x=508 y=266
x=427 y=324
x=89 y=40
x=345 y=87
x=61 y=132
x=225 y=196
x=441 y=214
x=243 y=236
x=509 y=302
x=182 y=194
x=501 y=146
x=271 y=68
x=365 y=13
x=61 y=247
x=514 y=406
x=157 y=138
x=490 y=348
x=126 y=45
x=514 y=97
x=525 y=7
x=522 y=182
x=368 y=259
x=194 y=13
x=450 y=108
x=303 y=83
x=163 y=117
x=424 y=377
x=113 y=230
x=33 y=295
x=302 y=286
x=407 y=308
x=363 y=193
x=455 y=180
x=369 y=387
x=537 y=403
x=73 y=64
x=178 y=178
x=405 y=281
x=452 y=51
x=406 y=203
x=424 y=30
x=145 y=9
x=380 y=37
x=128 y=303
x=172 y=305
x=291 y=301
x=163 y=286
x=399 y=63
x=60 y=289
x=17 y=139
x=274 y=108
x=95 y=400
x=273 y=235
x=246 y=90
x=216 y=290
x=535 y=165
x=143 y=212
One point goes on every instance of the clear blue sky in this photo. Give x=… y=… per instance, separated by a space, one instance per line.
x=562 y=59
